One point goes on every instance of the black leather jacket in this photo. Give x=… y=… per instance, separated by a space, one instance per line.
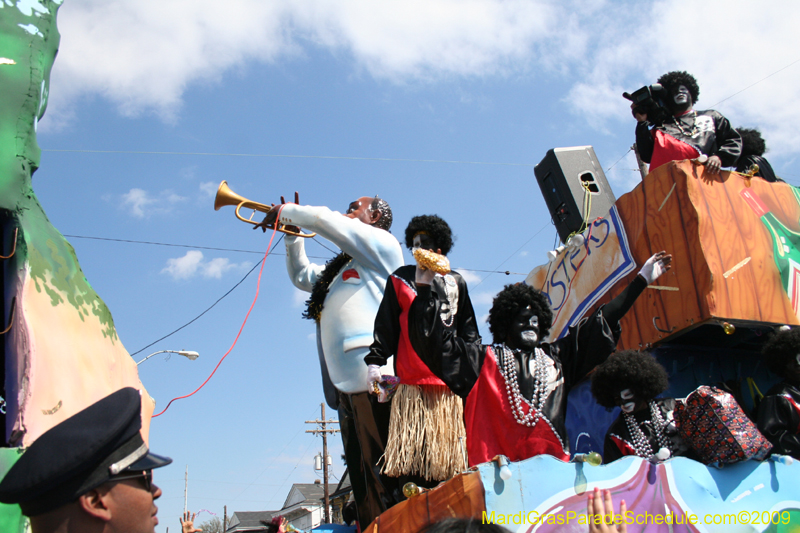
x=708 y=131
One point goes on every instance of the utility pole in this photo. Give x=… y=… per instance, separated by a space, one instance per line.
x=642 y=164
x=186 y=491
x=322 y=429
x=225 y=519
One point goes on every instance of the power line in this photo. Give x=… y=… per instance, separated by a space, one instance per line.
x=153 y=243
x=348 y=158
x=276 y=458
x=514 y=253
x=201 y=314
x=208 y=308
x=618 y=160
x=174 y=245
x=756 y=83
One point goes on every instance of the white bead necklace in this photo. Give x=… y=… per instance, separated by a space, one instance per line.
x=515 y=399
x=640 y=443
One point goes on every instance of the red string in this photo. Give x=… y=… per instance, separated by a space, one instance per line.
x=258 y=286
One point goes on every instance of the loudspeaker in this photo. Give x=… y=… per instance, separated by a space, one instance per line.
x=565 y=177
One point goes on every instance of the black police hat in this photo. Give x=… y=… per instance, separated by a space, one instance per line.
x=79 y=454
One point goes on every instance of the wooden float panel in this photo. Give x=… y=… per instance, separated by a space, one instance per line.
x=461 y=497
x=723 y=259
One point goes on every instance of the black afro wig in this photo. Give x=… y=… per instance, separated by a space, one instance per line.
x=752 y=142
x=780 y=349
x=629 y=369
x=435 y=227
x=680 y=77
x=510 y=301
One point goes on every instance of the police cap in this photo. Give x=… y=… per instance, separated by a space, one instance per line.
x=79 y=454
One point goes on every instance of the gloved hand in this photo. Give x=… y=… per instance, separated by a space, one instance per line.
x=655 y=266
x=373 y=378
x=424 y=276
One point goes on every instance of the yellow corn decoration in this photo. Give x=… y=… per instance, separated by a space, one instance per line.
x=432 y=261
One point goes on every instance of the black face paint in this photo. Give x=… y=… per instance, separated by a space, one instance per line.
x=523 y=332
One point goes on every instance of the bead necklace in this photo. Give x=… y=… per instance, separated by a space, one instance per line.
x=515 y=399
x=641 y=444
x=679 y=122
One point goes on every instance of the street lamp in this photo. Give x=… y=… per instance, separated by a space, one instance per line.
x=188 y=354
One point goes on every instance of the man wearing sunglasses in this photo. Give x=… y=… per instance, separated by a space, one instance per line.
x=90 y=473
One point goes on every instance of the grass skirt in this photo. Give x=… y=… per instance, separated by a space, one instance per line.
x=424 y=430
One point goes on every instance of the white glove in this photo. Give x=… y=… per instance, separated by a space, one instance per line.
x=374 y=383
x=373 y=378
x=655 y=266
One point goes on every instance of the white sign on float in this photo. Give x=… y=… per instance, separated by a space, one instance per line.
x=580 y=275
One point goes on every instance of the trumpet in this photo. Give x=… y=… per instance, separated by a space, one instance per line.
x=225 y=196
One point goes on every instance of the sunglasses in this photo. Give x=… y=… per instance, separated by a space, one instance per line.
x=146 y=475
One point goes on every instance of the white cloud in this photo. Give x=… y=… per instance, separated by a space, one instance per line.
x=137 y=200
x=193 y=263
x=217 y=267
x=142 y=204
x=209 y=189
x=470 y=277
x=144 y=55
x=184 y=267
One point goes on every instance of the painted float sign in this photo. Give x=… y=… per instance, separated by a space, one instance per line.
x=573 y=283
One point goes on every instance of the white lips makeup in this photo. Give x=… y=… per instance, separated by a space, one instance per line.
x=627 y=407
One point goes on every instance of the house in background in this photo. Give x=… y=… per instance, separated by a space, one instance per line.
x=303 y=508
x=242 y=521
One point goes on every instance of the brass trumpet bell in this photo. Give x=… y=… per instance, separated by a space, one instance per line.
x=226 y=196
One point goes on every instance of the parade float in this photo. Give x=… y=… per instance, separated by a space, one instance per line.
x=734 y=241
x=61 y=352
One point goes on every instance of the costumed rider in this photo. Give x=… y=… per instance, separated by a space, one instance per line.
x=345 y=294
x=753 y=149
x=686 y=133
x=92 y=472
x=516 y=390
x=779 y=410
x=631 y=380
x=427 y=418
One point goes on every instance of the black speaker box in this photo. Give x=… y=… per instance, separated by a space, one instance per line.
x=565 y=176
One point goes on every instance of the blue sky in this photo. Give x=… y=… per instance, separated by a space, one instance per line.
x=438 y=106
